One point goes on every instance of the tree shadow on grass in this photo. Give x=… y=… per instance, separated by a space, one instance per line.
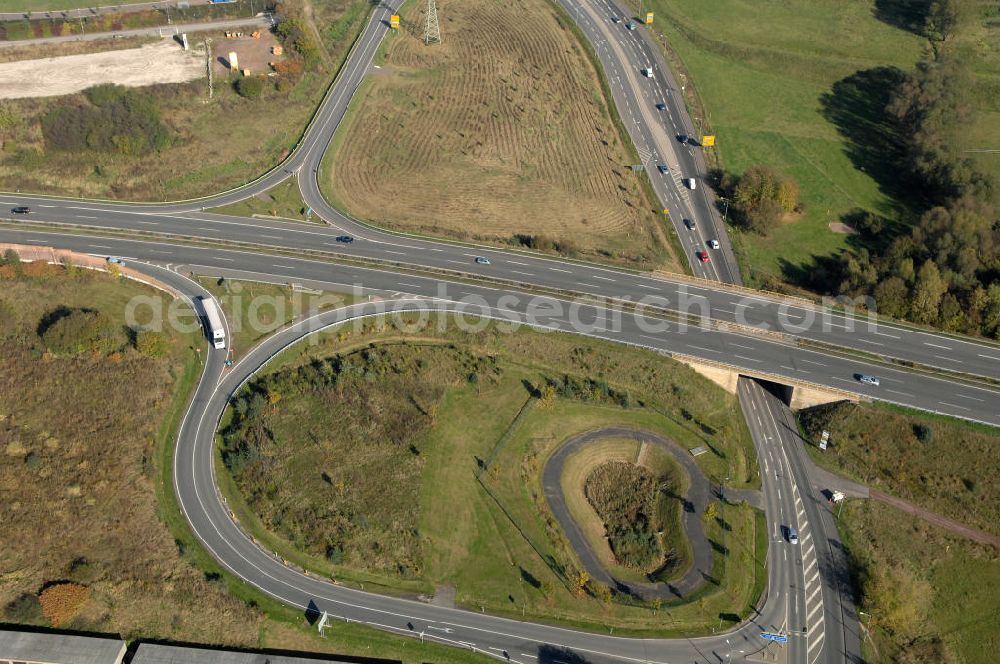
x=822 y=274
x=909 y=15
x=856 y=106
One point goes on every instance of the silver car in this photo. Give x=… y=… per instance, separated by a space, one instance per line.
x=869 y=380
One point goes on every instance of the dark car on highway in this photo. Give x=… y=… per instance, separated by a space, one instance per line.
x=661 y=106
x=689 y=224
x=346 y=239
x=21 y=209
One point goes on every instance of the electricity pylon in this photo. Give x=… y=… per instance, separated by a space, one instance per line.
x=432 y=31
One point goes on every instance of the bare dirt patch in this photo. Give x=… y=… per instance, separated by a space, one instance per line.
x=841 y=228
x=38 y=51
x=500 y=130
x=252 y=54
x=163 y=62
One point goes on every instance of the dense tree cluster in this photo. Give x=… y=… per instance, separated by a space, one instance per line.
x=249 y=87
x=946 y=271
x=760 y=198
x=80 y=331
x=112 y=118
x=628 y=499
x=588 y=389
x=294 y=31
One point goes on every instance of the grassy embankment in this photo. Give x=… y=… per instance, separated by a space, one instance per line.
x=59 y=26
x=214 y=152
x=792 y=85
x=255 y=309
x=282 y=202
x=93 y=465
x=415 y=415
x=928 y=595
x=523 y=152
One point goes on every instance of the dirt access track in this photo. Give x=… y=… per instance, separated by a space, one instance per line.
x=163 y=62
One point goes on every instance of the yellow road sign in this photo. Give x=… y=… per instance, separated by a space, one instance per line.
x=649 y=17
x=707 y=141
x=394 y=21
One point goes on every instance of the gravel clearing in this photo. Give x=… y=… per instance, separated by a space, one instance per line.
x=163 y=62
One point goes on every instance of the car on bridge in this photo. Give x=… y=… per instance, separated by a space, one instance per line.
x=689 y=224
x=713 y=244
x=703 y=256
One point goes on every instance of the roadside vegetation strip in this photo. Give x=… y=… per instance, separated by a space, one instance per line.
x=453 y=509
x=597 y=301
x=486 y=145
x=918 y=585
x=281 y=202
x=59 y=24
x=256 y=309
x=945 y=466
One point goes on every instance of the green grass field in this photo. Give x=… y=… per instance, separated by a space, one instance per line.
x=952 y=472
x=459 y=524
x=765 y=75
x=956 y=580
x=282 y=201
x=938 y=463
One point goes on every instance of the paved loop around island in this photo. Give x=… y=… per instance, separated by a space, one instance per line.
x=698 y=496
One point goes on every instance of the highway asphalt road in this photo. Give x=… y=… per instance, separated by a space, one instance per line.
x=794 y=318
x=756 y=354
x=504 y=639
x=623 y=54
x=698 y=494
x=811 y=578
x=521 y=641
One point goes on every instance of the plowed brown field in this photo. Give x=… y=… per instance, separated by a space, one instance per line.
x=500 y=130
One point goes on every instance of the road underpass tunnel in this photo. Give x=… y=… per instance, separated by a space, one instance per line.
x=780 y=390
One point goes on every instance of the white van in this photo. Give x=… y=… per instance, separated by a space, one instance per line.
x=690 y=183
